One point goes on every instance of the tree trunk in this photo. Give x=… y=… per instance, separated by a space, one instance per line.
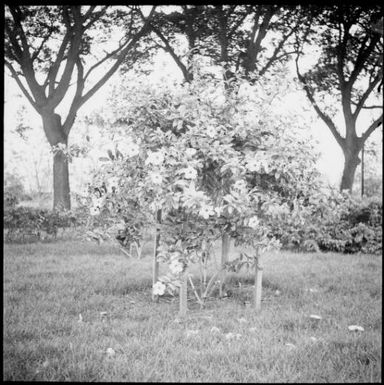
x=61 y=192
x=351 y=161
x=55 y=135
x=225 y=244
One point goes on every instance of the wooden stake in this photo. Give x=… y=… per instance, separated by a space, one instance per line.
x=183 y=295
x=258 y=282
x=155 y=263
x=225 y=241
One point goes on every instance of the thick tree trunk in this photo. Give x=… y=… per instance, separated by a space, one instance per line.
x=61 y=192
x=351 y=161
x=55 y=135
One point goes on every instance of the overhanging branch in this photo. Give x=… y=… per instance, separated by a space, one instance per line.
x=21 y=85
x=326 y=119
x=377 y=123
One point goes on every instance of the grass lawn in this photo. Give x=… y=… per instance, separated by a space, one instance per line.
x=48 y=285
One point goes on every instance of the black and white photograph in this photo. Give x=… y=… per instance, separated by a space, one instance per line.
x=193 y=193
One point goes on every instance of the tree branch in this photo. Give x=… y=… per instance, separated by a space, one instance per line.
x=105 y=58
x=274 y=56
x=360 y=103
x=58 y=94
x=21 y=85
x=171 y=51
x=326 y=119
x=75 y=105
x=15 y=11
x=51 y=77
x=15 y=44
x=362 y=56
x=371 y=128
x=119 y=60
x=37 y=51
x=96 y=17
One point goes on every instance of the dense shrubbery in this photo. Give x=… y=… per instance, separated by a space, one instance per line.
x=13 y=191
x=335 y=222
x=21 y=222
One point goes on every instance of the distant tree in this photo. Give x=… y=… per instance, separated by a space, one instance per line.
x=233 y=36
x=347 y=74
x=48 y=47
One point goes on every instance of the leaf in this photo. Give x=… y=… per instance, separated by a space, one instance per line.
x=110 y=154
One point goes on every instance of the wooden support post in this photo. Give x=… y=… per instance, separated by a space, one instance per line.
x=183 y=295
x=225 y=242
x=258 y=282
x=155 y=265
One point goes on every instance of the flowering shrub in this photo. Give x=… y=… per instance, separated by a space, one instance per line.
x=211 y=168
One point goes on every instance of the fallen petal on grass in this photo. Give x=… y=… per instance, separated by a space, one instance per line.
x=290 y=346
x=231 y=336
x=355 y=328
x=315 y=317
x=103 y=313
x=215 y=329
x=80 y=318
x=110 y=352
x=191 y=333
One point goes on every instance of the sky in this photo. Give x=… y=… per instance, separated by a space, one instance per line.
x=331 y=157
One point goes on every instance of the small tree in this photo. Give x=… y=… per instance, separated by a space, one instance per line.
x=207 y=164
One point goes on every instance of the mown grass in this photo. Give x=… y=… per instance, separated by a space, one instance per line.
x=47 y=286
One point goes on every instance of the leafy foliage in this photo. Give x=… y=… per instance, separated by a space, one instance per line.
x=197 y=153
x=24 y=221
x=335 y=222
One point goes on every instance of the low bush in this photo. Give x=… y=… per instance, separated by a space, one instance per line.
x=21 y=222
x=337 y=223
x=358 y=228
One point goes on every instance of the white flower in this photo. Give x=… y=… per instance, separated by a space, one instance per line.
x=155 y=158
x=176 y=267
x=94 y=211
x=252 y=165
x=240 y=185
x=112 y=183
x=129 y=148
x=253 y=222
x=158 y=288
x=156 y=177
x=97 y=202
x=190 y=173
x=206 y=211
x=190 y=151
x=211 y=131
x=219 y=210
x=111 y=352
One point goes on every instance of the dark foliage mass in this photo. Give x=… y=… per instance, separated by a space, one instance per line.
x=28 y=224
x=347 y=226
